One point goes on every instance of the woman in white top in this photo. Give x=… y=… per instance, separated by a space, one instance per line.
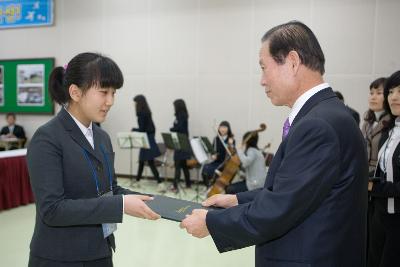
x=254 y=164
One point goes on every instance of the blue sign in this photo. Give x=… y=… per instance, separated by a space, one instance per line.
x=25 y=13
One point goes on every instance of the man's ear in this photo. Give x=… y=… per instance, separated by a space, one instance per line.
x=294 y=61
x=74 y=92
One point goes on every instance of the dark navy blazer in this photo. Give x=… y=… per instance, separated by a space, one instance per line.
x=69 y=212
x=312 y=209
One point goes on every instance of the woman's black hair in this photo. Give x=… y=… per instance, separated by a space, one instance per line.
x=392 y=82
x=227 y=125
x=141 y=104
x=370 y=116
x=180 y=108
x=85 y=70
x=253 y=140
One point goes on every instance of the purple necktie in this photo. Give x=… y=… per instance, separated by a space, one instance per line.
x=286 y=128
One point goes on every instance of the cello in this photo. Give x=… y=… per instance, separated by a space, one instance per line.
x=231 y=166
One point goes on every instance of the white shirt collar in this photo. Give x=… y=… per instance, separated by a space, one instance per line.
x=82 y=127
x=303 y=99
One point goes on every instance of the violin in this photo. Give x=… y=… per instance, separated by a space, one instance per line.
x=231 y=167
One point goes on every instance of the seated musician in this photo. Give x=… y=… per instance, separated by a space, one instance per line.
x=13 y=130
x=253 y=162
x=225 y=135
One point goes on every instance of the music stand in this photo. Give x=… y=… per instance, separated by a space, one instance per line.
x=200 y=154
x=208 y=147
x=130 y=140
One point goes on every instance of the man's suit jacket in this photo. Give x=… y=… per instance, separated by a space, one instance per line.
x=312 y=209
x=18 y=131
x=68 y=212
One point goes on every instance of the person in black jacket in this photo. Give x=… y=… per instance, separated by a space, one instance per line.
x=146 y=125
x=353 y=113
x=180 y=156
x=384 y=188
x=71 y=170
x=12 y=129
x=224 y=130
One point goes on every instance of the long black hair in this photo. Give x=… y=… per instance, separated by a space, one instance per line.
x=141 y=104
x=85 y=70
x=180 y=108
x=392 y=82
x=253 y=140
x=227 y=125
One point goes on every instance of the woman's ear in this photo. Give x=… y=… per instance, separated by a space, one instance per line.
x=75 y=92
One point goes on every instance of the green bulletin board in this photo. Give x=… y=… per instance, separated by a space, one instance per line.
x=24 y=86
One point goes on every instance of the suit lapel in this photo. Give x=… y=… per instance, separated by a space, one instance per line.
x=313 y=101
x=279 y=155
x=76 y=133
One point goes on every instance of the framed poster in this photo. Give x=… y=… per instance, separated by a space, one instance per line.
x=24 y=86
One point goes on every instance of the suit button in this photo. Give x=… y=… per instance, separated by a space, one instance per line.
x=99 y=168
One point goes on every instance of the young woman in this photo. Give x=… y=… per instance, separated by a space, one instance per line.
x=71 y=167
x=146 y=125
x=180 y=156
x=384 y=226
x=253 y=161
x=225 y=132
x=375 y=120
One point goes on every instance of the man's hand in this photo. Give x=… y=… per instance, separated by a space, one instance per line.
x=195 y=224
x=223 y=201
x=134 y=205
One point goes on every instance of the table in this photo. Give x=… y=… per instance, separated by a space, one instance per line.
x=15 y=188
x=10 y=142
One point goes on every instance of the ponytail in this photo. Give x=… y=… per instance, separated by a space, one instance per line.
x=57 y=88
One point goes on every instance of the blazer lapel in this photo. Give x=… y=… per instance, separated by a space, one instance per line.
x=76 y=133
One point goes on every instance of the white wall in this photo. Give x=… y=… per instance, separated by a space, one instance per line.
x=206 y=52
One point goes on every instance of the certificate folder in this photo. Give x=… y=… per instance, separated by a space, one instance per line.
x=173 y=209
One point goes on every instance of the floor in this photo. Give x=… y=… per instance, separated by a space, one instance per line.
x=139 y=242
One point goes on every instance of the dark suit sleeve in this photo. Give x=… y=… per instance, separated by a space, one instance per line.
x=307 y=173
x=19 y=132
x=45 y=163
x=4 y=130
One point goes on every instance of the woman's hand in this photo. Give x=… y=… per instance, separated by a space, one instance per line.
x=135 y=205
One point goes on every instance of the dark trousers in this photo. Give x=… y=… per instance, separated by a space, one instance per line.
x=42 y=262
x=152 y=167
x=384 y=239
x=181 y=165
x=236 y=188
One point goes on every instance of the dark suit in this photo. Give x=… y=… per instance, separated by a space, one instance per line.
x=312 y=209
x=68 y=212
x=18 y=131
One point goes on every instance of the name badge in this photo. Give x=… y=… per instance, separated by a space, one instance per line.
x=108 y=228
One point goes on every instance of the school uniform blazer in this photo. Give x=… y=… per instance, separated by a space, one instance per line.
x=68 y=212
x=312 y=209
